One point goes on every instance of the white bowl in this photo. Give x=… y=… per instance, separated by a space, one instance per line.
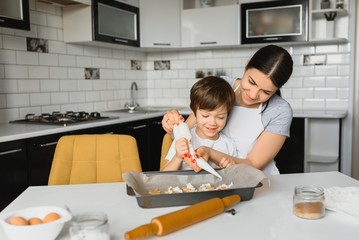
x=44 y=231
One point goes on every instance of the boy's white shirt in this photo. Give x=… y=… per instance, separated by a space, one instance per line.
x=222 y=144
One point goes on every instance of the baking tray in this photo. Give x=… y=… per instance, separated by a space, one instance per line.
x=181 y=199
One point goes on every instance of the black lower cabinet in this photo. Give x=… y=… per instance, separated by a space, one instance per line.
x=138 y=130
x=40 y=154
x=155 y=137
x=14 y=171
x=109 y=129
x=148 y=134
x=290 y=158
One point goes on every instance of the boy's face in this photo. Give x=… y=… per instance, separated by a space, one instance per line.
x=210 y=123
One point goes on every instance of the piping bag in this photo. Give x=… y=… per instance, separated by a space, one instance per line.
x=171 y=222
x=182 y=131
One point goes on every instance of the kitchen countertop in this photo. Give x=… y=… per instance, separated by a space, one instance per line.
x=17 y=131
x=318 y=114
x=268 y=215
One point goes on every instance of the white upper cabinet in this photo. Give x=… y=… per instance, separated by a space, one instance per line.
x=210 y=26
x=160 y=23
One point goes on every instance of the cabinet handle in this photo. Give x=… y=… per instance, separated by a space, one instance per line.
x=162 y=44
x=48 y=144
x=138 y=127
x=157 y=123
x=10 y=151
x=206 y=43
x=120 y=40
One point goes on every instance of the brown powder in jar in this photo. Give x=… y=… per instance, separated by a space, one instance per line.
x=309 y=210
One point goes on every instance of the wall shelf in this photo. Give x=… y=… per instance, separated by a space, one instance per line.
x=321 y=12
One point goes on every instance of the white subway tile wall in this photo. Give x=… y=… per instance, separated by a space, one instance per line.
x=32 y=82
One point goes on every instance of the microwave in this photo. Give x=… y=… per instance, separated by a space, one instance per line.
x=115 y=22
x=274 y=21
x=15 y=14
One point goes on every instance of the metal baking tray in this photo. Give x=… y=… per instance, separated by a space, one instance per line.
x=181 y=199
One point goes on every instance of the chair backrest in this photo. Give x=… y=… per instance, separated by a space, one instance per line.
x=93 y=158
x=166 y=144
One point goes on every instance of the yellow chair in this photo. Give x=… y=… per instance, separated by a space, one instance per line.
x=93 y=158
x=166 y=144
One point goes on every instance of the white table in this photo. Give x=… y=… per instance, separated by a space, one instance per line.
x=268 y=215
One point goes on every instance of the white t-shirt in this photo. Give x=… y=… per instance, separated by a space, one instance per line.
x=223 y=144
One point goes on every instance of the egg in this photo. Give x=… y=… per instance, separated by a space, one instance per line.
x=18 y=221
x=50 y=217
x=34 y=221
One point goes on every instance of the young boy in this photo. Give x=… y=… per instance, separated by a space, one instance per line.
x=212 y=98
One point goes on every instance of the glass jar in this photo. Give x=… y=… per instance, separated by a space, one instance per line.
x=308 y=202
x=340 y=4
x=90 y=226
x=206 y=3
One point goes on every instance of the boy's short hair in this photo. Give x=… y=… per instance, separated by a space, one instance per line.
x=210 y=93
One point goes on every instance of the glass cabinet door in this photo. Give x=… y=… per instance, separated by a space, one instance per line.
x=15 y=14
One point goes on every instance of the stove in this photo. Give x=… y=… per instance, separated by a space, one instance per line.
x=58 y=118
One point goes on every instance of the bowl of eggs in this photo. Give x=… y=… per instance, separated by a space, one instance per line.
x=34 y=223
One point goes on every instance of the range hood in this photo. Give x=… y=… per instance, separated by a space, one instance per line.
x=64 y=3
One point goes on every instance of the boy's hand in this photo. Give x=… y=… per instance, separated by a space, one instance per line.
x=226 y=162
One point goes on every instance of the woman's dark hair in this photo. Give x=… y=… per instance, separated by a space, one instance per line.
x=275 y=62
x=210 y=93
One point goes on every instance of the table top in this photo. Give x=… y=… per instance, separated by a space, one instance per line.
x=268 y=215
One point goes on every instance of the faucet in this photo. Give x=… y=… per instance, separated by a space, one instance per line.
x=133 y=104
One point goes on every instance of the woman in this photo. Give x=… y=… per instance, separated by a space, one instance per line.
x=260 y=121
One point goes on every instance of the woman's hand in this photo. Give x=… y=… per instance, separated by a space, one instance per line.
x=171 y=118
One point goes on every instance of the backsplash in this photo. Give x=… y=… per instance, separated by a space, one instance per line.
x=66 y=77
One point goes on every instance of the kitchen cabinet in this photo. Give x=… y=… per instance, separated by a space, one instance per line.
x=334 y=30
x=14 y=171
x=313 y=146
x=94 y=24
x=155 y=137
x=290 y=159
x=138 y=129
x=149 y=134
x=211 y=26
x=160 y=23
x=322 y=144
x=40 y=154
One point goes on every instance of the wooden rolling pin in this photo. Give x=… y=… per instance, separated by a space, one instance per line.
x=182 y=218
